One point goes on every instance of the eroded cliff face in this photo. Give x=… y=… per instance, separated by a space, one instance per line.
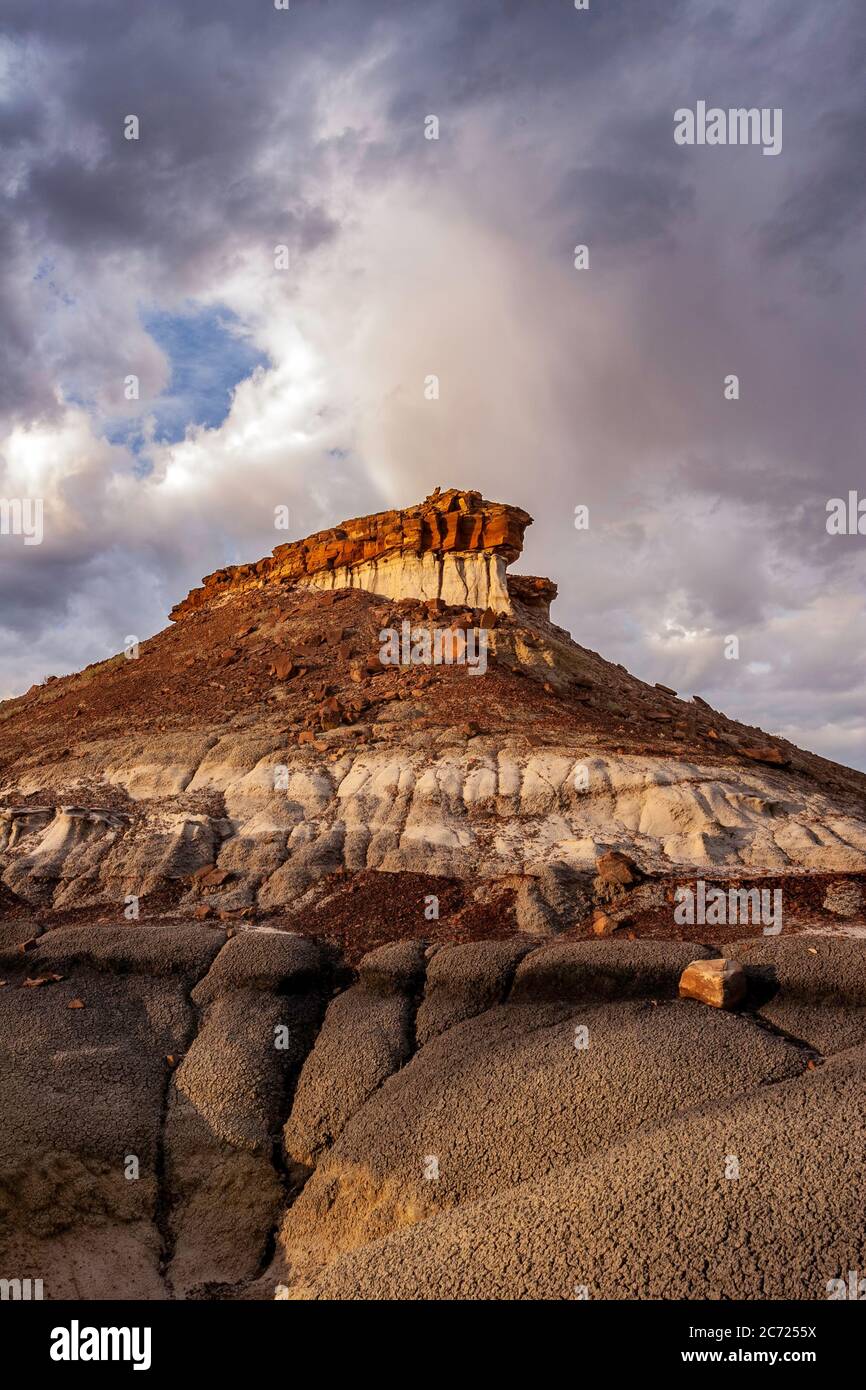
x=257 y=755
x=453 y=546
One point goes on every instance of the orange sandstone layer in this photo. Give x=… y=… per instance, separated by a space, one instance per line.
x=455 y=522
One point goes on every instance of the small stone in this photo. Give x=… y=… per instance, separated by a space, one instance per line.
x=720 y=983
x=215 y=878
x=613 y=867
x=330 y=713
x=602 y=924
x=282 y=667
x=774 y=756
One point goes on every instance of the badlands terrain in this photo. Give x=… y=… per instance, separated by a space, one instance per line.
x=329 y=978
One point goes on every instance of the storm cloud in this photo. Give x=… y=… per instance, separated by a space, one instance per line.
x=409 y=257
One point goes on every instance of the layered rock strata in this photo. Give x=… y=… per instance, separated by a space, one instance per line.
x=454 y=546
x=258 y=749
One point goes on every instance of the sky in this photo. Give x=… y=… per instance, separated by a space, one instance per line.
x=296 y=378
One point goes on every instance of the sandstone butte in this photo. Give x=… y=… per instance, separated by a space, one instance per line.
x=454 y=546
x=282 y=808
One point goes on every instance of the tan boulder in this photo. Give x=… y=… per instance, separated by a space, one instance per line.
x=719 y=983
x=615 y=870
x=282 y=667
x=774 y=757
x=602 y=924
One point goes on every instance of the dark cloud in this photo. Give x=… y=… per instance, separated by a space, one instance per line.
x=617 y=209
x=828 y=204
x=305 y=127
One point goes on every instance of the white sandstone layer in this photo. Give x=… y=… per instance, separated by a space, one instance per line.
x=470 y=580
x=491 y=812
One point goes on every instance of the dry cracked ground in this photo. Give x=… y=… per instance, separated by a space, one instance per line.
x=196 y=1115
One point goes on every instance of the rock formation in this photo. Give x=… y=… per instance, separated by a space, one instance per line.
x=454 y=546
x=375 y=968
x=259 y=747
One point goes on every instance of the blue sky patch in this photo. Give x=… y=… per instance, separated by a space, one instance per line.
x=209 y=355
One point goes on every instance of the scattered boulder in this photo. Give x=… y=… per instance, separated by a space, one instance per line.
x=214 y=878
x=615 y=874
x=774 y=757
x=616 y=867
x=330 y=713
x=602 y=924
x=363 y=670
x=719 y=983
x=283 y=667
